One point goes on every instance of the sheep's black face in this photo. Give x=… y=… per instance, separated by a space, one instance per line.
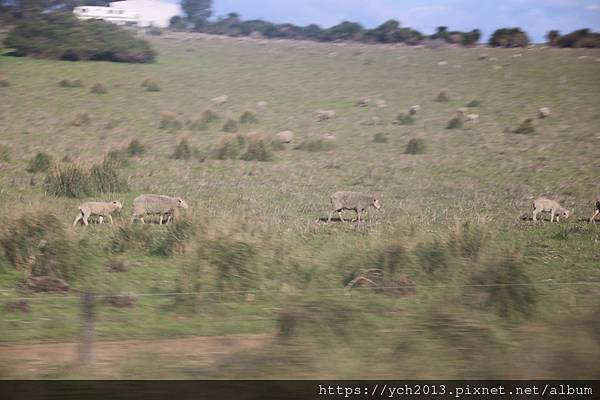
x=182 y=204
x=117 y=204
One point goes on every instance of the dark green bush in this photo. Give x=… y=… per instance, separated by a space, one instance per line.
x=4 y=82
x=527 y=126
x=5 y=153
x=229 y=149
x=135 y=148
x=248 y=118
x=183 y=151
x=37 y=243
x=98 y=88
x=433 y=257
x=119 y=158
x=104 y=178
x=172 y=241
x=133 y=236
x=314 y=145
x=415 y=146
x=62 y=36
x=230 y=126
x=509 y=37
x=380 y=138
x=170 y=121
x=40 y=163
x=404 y=119
x=455 y=123
x=470 y=240
x=235 y=264
x=442 y=96
x=258 y=150
x=507 y=287
x=473 y=103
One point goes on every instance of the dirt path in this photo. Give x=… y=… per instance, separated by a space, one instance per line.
x=116 y=359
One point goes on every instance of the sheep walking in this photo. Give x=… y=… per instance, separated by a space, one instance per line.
x=543 y=204
x=472 y=118
x=356 y=201
x=323 y=115
x=596 y=211
x=97 y=208
x=543 y=112
x=154 y=204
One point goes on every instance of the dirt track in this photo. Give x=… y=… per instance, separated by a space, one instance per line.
x=114 y=359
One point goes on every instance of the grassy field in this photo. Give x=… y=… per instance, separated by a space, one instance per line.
x=450 y=231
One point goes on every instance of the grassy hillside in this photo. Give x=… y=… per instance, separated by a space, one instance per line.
x=473 y=281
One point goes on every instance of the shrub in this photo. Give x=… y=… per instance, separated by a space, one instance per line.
x=67 y=83
x=209 y=116
x=473 y=103
x=248 y=118
x=507 y=287
x=469 y=241
x=40 y=163
x=258 y=150
x=404 y=119
x=4 y=82
x=230 y=126
x=68 y=180
x=81 y=119
x=133 y=236
x=234 y=262
x=380 y=138
x=135 y=148
x=183 y=150
x=169 y=121
x=98 y=88
x=314 y=145
x=62 y=36
x=433 y=257
x=277 y=145
x=37 y=243
x=442 y=96
x=415 y=146
x=455 y=123
x=228 y=149
x=526 y=126
x=172 y=241
x=5 y=153
x=118 y=157
x=509 y=37
x=104 y=178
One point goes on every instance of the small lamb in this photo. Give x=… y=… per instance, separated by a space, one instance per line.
x=543 y=112
x=356 y=201
x=98 y=208
x=148 y=204
x=323 y=115
x=543 y=204
x=597 y=211
x=414 y=109
x=472 y=118
x=219 y=100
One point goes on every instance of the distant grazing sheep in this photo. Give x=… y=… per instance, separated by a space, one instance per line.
x=472 y=118
x=154 y=204
x=543 y=204
x=597 y=211
x=543 y=112
x=285 y=137
x=356 y=201
x=323 y=115
x=261 y=106
x=97 y=208
x=381 y=104
x=414 y=109
x=220 y=100
x=363 y=101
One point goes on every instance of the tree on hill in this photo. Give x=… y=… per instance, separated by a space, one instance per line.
x=197 y=11
x=552 y=37
x=509 y=37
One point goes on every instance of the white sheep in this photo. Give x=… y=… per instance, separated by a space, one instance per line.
x=363 y=101
x=597 y=211
x=154 y=204
x=356 y=201
x=472 y=118
x=97 y=208
x=323 y=115
x=285 y=136
x=219 y=100
x=381 y=104
x=414 y=109
x=543 y=112
x=543 y=204
x=261 y=106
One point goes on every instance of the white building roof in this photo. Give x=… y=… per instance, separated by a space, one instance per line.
x=139 y=12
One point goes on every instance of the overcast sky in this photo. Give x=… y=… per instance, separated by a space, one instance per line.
x=535 y=16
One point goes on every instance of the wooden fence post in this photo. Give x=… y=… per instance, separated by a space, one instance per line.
x=88 y=329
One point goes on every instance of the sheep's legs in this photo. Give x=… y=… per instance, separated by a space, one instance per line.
x=160 y=220
x=111 y=219
x=552 y=216
x=594 y=215
x=79 y=216
x=535 y=213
